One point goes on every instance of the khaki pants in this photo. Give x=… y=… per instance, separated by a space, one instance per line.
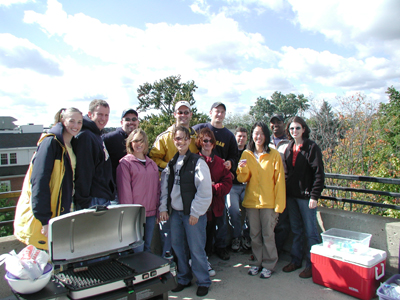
x=262 y=224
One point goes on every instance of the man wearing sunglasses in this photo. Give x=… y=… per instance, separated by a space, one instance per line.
x=163 y=151
x=115 y=140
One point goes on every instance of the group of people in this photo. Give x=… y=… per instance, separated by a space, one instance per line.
x=191 y=181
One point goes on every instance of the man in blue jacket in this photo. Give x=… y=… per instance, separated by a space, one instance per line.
x=94 y=184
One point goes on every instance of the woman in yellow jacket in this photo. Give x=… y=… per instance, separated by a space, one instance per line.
x=48 y=186
x=265 y=197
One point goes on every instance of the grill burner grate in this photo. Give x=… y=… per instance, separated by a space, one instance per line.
x=96 y=274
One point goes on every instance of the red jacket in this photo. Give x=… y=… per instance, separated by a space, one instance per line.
x=222 y=183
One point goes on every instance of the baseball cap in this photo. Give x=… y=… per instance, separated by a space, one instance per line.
x=127 y=111
x=182 y=103
x=216 y=104
x=278 y=116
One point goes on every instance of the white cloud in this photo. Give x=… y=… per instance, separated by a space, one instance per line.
x=356 y=22
x=332 y=70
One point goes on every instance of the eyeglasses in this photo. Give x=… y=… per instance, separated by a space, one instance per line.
x=183 y=112
x=293 y=128
x=137 y=141
x=129 y=119
x=205 y=141
x=178 y=138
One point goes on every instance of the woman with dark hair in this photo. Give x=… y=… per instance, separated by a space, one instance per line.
x=221 y=185
x=304 y=185
x=138 y=182
x=49 y=183
x=262 y=169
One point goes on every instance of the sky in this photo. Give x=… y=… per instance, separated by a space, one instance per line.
x=59 y=53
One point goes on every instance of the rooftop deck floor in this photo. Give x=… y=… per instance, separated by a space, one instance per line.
x=233 y=282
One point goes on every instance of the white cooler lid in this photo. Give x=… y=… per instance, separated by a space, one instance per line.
x=367 y=259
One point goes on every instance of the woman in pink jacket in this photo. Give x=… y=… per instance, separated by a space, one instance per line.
x=138 y=181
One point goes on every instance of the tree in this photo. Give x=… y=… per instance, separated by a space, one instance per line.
x=288 y=105
x=232 y=121
x=162 y=96
x=390 y=120
x=326 y=129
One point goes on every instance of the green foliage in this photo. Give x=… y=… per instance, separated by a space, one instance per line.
x=390 y=120
x=162 y=96
x=288 y=105
x=6 y=230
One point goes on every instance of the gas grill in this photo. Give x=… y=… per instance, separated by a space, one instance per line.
x=94 y=248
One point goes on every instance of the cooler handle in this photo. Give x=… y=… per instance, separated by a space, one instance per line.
x=379 y=276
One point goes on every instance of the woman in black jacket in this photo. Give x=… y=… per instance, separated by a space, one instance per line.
x=304 y=184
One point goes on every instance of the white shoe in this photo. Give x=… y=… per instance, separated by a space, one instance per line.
x=211 y=271
x=265 y=273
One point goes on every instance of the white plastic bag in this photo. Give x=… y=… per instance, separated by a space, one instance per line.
x=28 y=264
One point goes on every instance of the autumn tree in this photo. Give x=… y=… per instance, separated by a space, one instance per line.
x=288 y=105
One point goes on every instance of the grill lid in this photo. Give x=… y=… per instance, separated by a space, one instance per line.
x=95 y=232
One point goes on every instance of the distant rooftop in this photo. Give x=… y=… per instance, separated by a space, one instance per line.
x=7 y=126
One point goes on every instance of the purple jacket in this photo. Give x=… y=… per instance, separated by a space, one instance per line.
x=139 y=184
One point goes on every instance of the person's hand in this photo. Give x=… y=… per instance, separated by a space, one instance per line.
x=164 y=216
x=193 y=220
x=45 y=230
x=312 y=204
x=242 y=163
x=228 y=164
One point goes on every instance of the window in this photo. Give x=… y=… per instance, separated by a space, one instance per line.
x=13 y=158
x=5 y=186
x=4 y=159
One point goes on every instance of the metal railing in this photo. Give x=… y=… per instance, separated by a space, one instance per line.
x=326 y=196
x=331 y=189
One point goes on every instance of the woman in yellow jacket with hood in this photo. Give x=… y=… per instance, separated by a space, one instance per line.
x=265 y=197
x=48 y=186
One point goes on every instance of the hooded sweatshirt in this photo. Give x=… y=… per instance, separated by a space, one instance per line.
x=93 y=176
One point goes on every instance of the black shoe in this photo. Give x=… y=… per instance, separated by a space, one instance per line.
x=222 y=253
x=202 y=291
x=180 y=287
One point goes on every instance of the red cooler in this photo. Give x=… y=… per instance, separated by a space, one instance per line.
x=354 y=274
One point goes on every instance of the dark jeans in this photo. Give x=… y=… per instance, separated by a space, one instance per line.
x=303 y=220
x=282 y=230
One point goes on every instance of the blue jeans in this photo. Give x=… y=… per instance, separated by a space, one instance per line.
x=303 y=220
x=99 y=201
x=165 y=235
x=282 y=229
x=148 y=235
x=233 y=201
x=188 y=241
x=221 y=231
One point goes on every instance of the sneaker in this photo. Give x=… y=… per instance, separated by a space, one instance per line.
x=222 y=253
x=235 y=244
x=211 y=271
x=254 y=270
x=246 y=243
x=265 y=273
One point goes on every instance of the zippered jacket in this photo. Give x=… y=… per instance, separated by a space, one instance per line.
x=306 y=178
x=138 y=183
x=163 y=149
x=47 y=189
x=265 y=181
